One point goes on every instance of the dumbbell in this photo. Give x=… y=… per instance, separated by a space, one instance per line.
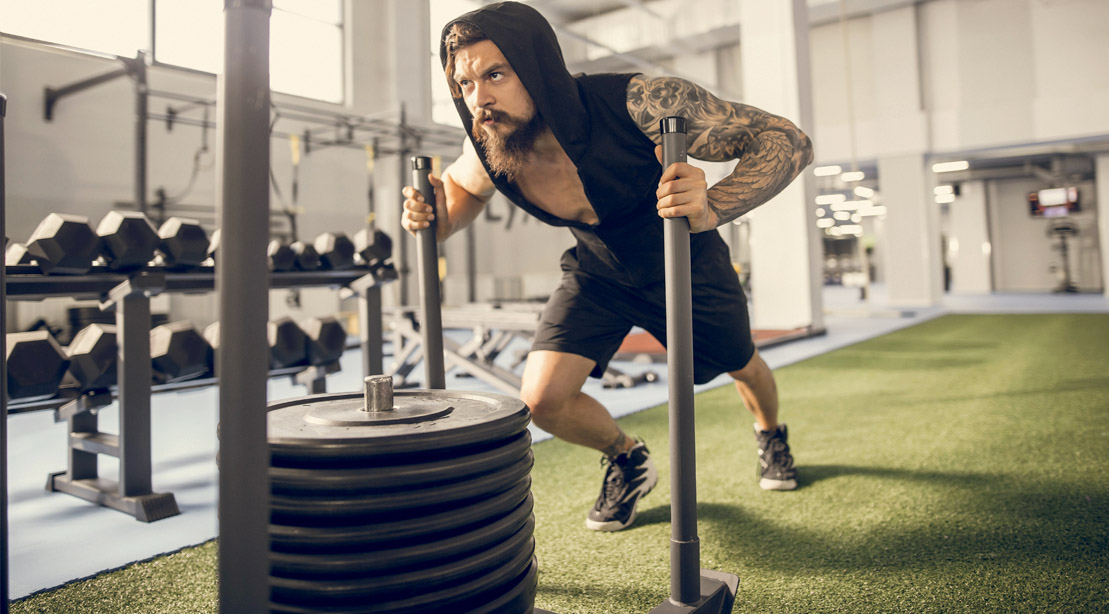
x=129 y=240
x=373 y=248
x=17 y=254
x=178 y=352
x=307 y=258
x=336 y=251
x=213 y=244
x=92 y=358
x=64 y=244
x=183 y=243
x=326 y=340
x=36 y=365
x=623 y=380
x=287 y=342
x=280 y=256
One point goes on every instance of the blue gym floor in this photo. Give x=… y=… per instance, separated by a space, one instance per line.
x=56 y=538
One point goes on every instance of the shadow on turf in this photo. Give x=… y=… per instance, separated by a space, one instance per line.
x=984 y=518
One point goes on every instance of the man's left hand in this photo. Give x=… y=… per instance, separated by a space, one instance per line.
x=683 y=192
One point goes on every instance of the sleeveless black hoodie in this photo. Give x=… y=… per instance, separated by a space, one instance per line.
x=615 y=161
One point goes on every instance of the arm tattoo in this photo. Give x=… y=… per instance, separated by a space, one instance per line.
x=771 y=150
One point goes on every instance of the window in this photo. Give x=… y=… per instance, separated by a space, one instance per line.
x=306 y=42
x=118 y=27
x=442 y=11
x=306 y=36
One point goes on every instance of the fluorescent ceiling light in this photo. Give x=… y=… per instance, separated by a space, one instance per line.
x=947 y=167
x=876 y=210
x=943 y=189
x=827 y=171
x=853 y=176
x=842 y=216
x=943 y=199
x=825 y=223
x=828 y=199
x=821 y=212
x=864 y=192
x=851 y=205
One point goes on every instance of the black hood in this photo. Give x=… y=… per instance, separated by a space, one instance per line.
x=529 y=44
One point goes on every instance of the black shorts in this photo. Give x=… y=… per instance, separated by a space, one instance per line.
x=590 y=315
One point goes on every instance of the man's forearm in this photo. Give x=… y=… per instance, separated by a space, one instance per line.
x=462 y=208
x=771 y=161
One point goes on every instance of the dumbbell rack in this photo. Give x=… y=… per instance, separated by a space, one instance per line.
x=129 y=296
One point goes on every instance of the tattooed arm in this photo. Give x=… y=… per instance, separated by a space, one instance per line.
x=771 y=150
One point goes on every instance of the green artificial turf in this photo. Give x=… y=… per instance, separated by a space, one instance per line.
x=960 y=465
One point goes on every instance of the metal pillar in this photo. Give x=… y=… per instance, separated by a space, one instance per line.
x=243 y=287
x=142 y=112
x=3 y=390
x=427 y=258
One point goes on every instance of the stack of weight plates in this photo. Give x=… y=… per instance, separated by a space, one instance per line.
x=424 y=509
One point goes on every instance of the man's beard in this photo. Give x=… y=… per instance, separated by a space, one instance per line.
x=506 y=155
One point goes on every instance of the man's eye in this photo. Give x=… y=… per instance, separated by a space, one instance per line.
x=496 y=76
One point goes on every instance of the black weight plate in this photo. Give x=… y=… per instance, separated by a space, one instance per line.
x=403 y=584
x=476 y=418
x=518 y=599
x=408 y=556
x=294 y=602
x=315 y=481
x=301 y=538
x=393 y=502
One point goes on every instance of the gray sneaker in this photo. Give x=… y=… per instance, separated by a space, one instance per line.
x=776 y=470
x=628 y=478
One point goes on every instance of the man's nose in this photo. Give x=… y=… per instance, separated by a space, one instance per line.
x=483 y=97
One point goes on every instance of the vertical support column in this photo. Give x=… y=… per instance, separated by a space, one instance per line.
x=3 y=389
x=243 y=289
x=133 y=330
x=84 y=465
x=141 y=114
x=969 y=242
x=1101 y=169
x=914 y=267
x=786 y=248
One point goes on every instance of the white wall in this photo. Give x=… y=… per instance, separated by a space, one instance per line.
x=990 y=73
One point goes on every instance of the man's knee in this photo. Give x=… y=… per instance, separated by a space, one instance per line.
x=756 y=370
x=546 y=401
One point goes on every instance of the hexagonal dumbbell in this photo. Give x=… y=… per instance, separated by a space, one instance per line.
x=373 y=248
x=92 y=357
x=36 y=365
x=17 y=254
x=64 y=244
x=129 y=240
x=213 y=244
x=178 y=352
x=288 y=343
x=307 y=258
x=280 y=256
x=326 y=340
x=184 y=244
x=336 y=250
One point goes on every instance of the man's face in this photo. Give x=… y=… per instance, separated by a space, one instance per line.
x=505 y=121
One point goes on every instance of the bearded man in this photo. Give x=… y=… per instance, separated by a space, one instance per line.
x=583 y=152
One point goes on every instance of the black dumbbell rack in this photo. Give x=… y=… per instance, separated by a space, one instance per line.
x=129 y=297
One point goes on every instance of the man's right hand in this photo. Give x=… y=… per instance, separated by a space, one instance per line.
x=418 y=213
